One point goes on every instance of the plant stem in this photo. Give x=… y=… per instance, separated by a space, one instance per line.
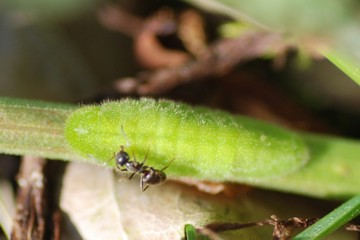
x=37 y=128
x=34 y=128
x=332 y=171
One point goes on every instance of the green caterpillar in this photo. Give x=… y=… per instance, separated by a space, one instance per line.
x=206 y=144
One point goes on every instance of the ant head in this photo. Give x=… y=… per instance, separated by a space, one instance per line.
x=122 y=157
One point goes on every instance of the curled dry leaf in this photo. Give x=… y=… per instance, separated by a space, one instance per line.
x=209 y=187
x=7 y=206
x=352 y=227
x=148 y=49
x=88 y=198
x=102 y=207
x=191 y=31
x=222 y=56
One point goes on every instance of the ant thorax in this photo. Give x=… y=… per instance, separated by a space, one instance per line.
x=134 y=166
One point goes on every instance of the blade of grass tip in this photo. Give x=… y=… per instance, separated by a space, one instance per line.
x=332 y=221
x=345 y=63
x=190 y=232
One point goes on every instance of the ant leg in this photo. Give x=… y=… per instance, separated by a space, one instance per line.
x=136 y=163
x=147 y=186
x=132 y=175
x=142 y=184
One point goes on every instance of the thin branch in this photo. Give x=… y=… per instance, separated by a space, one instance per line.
x=29 y=222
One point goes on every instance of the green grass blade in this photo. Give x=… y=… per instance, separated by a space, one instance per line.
x=34 y=128
x=190 y=232
x=349 y=66
x=37 y=128
x=332 y=171
x=332 y=221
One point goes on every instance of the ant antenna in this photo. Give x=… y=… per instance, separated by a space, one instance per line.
x=146 y=155
x=167 y=165
x=125 y=137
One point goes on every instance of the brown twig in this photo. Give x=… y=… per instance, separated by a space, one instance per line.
x=56 y=218
x=29 y=222
x=177 y=67
x=354 y=228
x=282 y=228
x=217 y=61
x=147 y=47
x=191 y=31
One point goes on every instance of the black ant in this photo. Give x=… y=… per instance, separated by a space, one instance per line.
x=149 y=175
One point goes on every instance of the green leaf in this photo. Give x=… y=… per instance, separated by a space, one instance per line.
x=332 y=171
x=350 y=66
x=332 y=221
x=204 y=143
x=334 y=25
x=190 y=232
x=34 y=128
x=300 y=17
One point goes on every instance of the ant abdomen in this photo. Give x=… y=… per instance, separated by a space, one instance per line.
x=153 y=176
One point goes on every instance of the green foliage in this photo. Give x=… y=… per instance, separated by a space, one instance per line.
x=299 y=17
x=195 y=137
x=332 y=171
x=34 y=128
x=190 y=232
x=314 y=25
x=332 y=221
x=347 y=64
